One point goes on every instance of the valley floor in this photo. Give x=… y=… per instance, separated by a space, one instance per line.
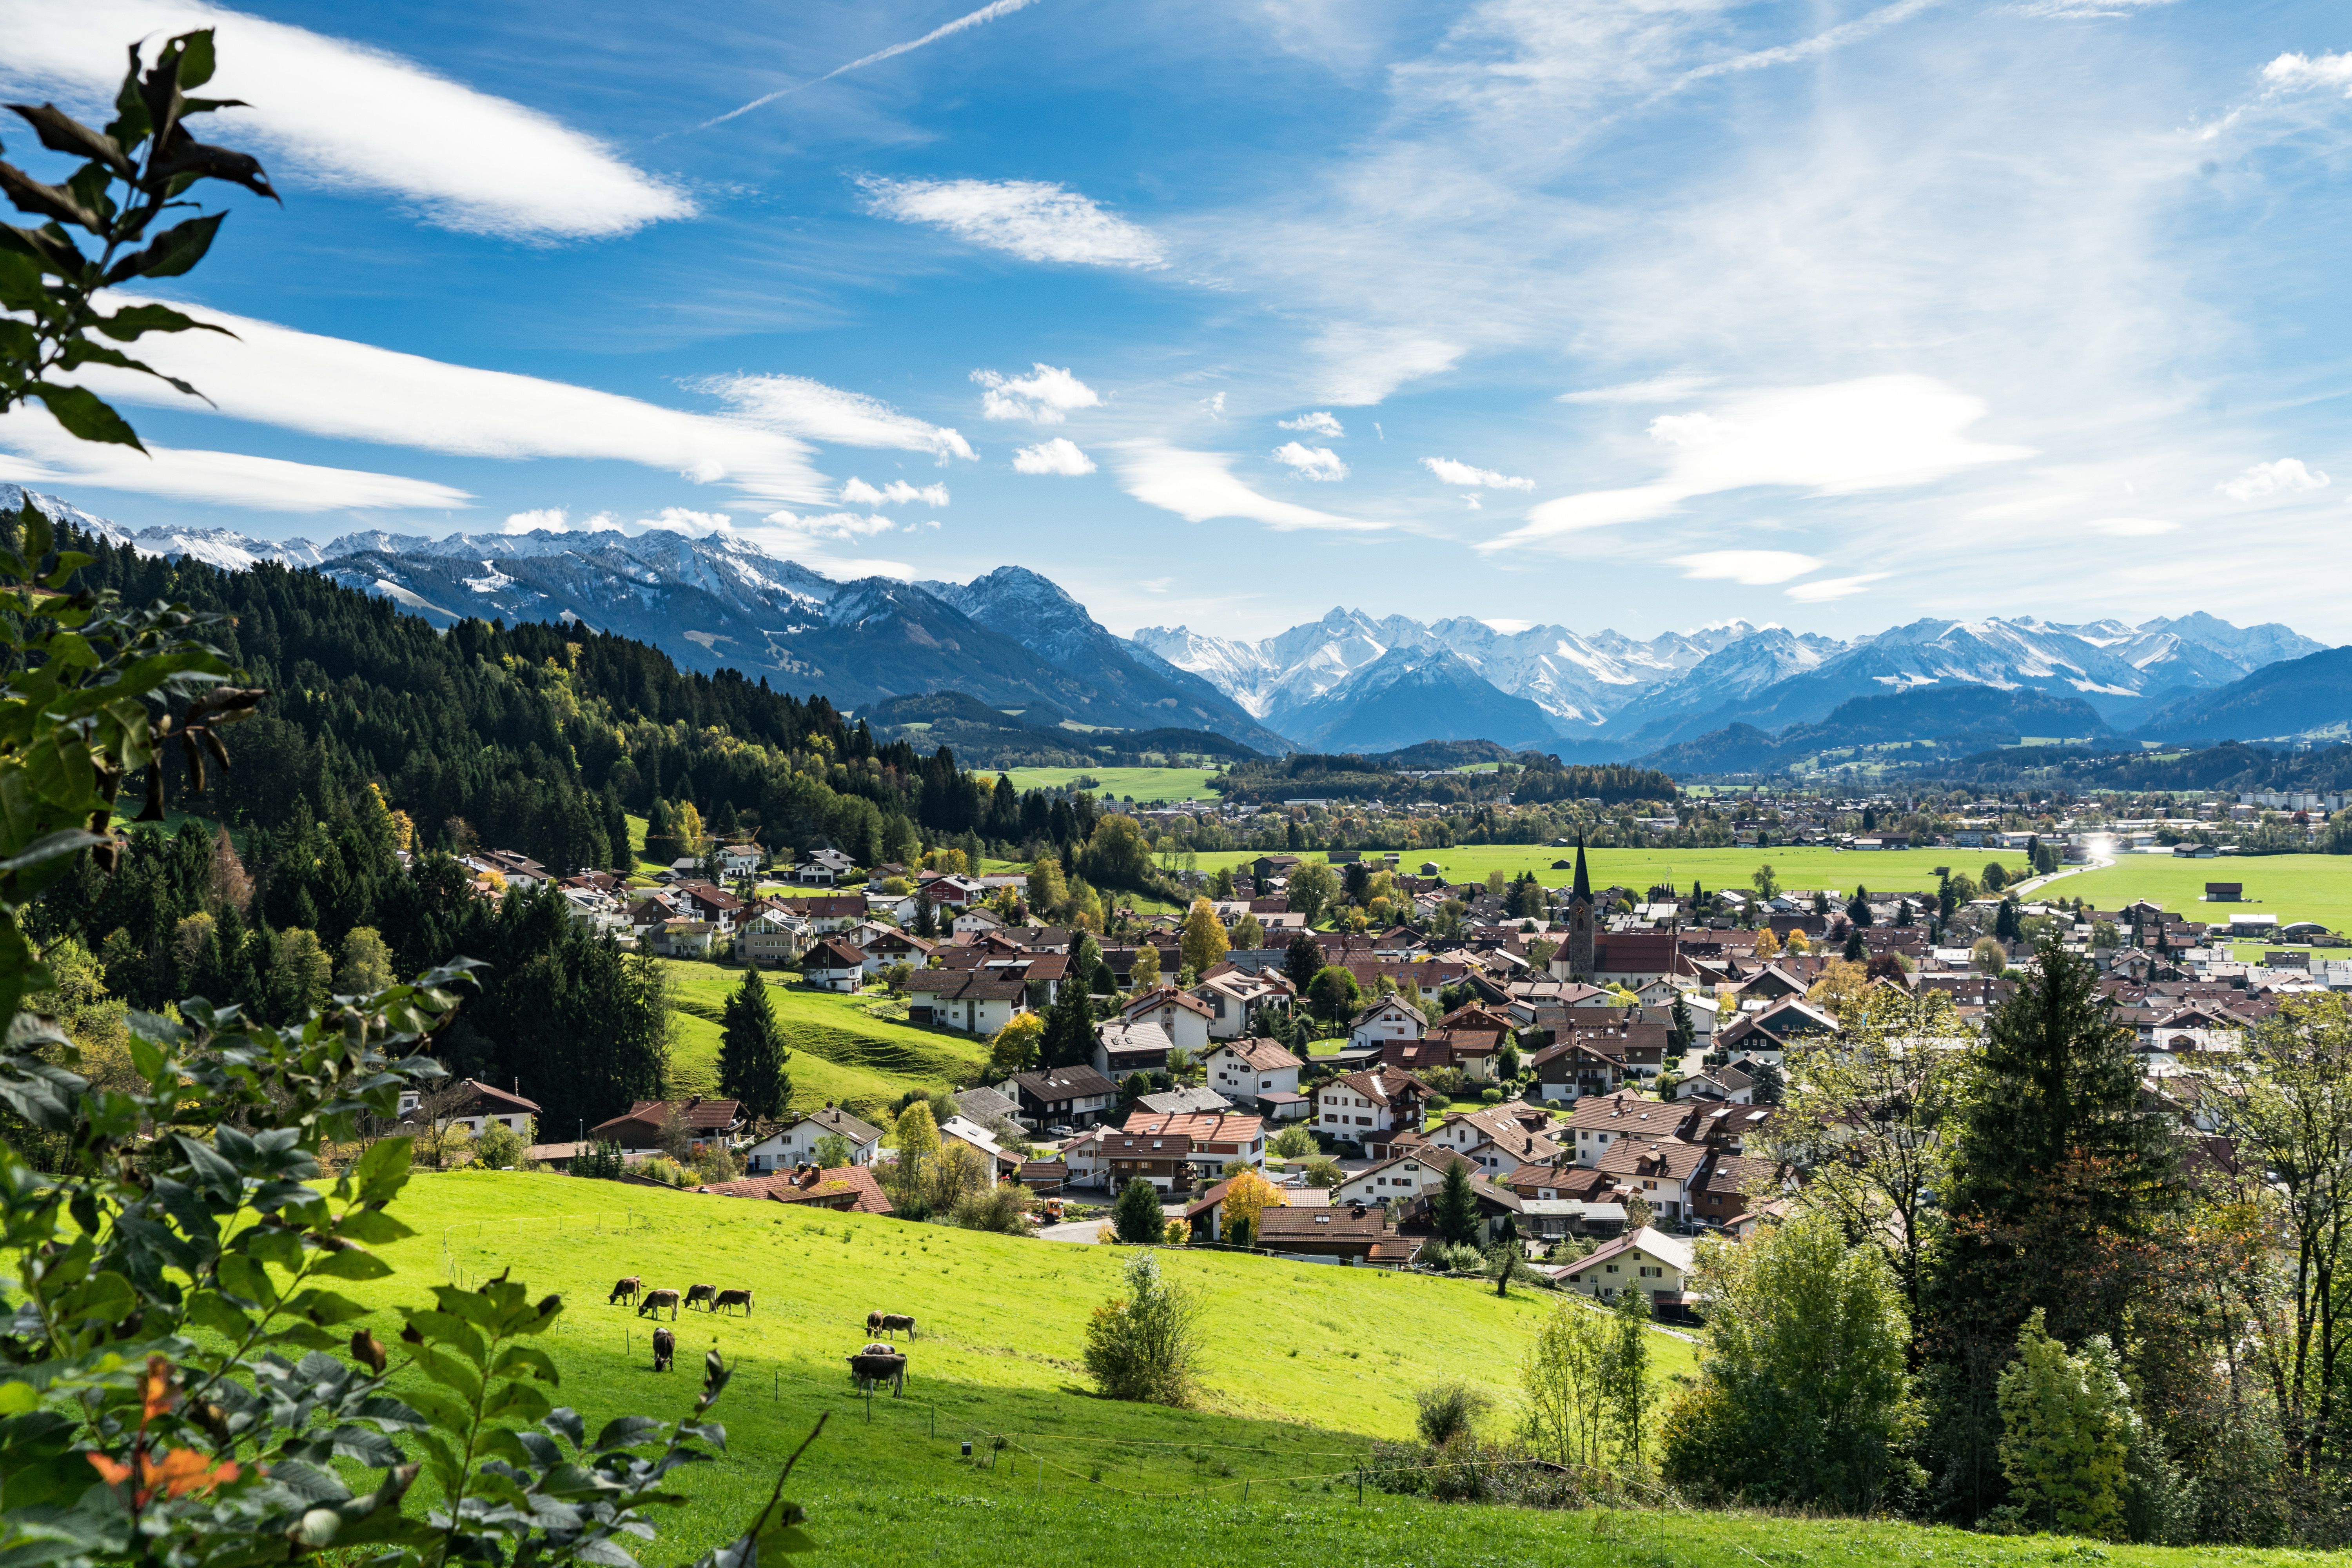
x=1305 y=1365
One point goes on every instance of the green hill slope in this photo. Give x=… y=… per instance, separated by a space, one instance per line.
x=1304 y=1365
x=842 y=1050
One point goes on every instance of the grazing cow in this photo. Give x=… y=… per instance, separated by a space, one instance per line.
x=655 y=1300
x=726 y=1299
x=702 y=1293
x=866 y=1372
x=624 y=1290
x=890 y=1322
x=665 y=1347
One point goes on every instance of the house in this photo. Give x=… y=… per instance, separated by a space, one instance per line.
x=1164 y=1160
x=823 y=868
x=1495 y=1140
x=474 y=1107
x=1658 y=1266
x=1666 y=1172
x=1390 y=1018
x=738 y=860
x=1004 y=1164
x=1267 y=868
x=1401 y=1178
x=987 y=1106
x=1722 y=1197
x=1189 y=1100
x=977 y=921
x=518 y=869
x=1060 y=1097
x=888 y=946
x=702 y=1123
x=2225 y=893
x=1183 y=1018
x=1121 y=1048
x=700 y=900
x=1371 y=1108
x=847 y=1189
x=1357 y=1234
x=829 y=915
x=682 y=938
x=773 y=938
x=977 y=1000
x=1216 y=1140
x=1241 y=1070
x=1601 y=1121
x=1239 y=1002
x=796 y=1143
x=834 y=964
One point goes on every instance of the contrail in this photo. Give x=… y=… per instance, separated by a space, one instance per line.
x=988 y=12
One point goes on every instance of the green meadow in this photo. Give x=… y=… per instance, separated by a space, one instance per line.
x=1303 y=1367
x=1143 y=785
x=1898 y=871
x=2291 y=886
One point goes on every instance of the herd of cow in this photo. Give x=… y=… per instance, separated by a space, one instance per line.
x=880 y=1362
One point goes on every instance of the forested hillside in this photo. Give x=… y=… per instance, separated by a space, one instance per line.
x=382 y=735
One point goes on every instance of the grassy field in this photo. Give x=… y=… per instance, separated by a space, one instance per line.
x=841 y=1051
x=1899 y=870
x=1143 y=784
x=1302 y=1364
x=2291 y=886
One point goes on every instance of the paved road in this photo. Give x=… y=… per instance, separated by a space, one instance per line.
x=1081 y=1230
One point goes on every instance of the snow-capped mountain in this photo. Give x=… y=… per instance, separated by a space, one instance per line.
x=217 y=546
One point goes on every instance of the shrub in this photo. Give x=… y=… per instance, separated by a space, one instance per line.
x=1137 y=1216
x=1003 y=1208
x=1448 y=1411
x=1324 y=1172
x=1294 y=1142
x=1453 y=1258
x=662 y=1168
x=1142 y=1347
x=500 y=1147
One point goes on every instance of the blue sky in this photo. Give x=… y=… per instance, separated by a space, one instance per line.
x=1634 y=314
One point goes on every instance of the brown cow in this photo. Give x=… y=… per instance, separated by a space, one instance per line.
x=891 y=1322
x=655 y=1300
x=866 y=1371
x=665 y=1348
x=624 y=1289
x=702 y=1293
x=726 y=1299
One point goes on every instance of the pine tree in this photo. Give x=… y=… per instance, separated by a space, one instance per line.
x=1070 y=1026
x=751 y=1054
x=926 y=925
x=1454 y=1210
x=1302 y=962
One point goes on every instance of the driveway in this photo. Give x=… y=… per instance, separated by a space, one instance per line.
x=1078 y=1230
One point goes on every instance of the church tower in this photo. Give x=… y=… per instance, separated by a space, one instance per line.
x=1580 y=920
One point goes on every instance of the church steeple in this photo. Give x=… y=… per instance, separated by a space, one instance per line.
x=1583 y=891
x=1579 y=953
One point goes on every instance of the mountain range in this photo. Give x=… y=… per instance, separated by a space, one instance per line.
x=1014 y=641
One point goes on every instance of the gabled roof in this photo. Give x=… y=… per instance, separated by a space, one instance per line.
x=1260 y=1055
x=833 y=1119
x=833 y=953
x=1669 y=1249
x=1063 y=1083
x=1167 y=996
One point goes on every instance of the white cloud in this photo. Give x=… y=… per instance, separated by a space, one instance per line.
x=2324 y=71
x=1215 y=405
x=827 y=414
x=832 y=526
x=551 y=518
x=1197 y=486
x=686 y=520
x=2079 y=9
x=2285 y=477
x=1754 y=568
x=1363 y=365
x=1823 y=589
x=1657 y=389
x=986 y=14
x=1319 y=463
x=1320 y=423
x=1044 y=397
x=331 y=386
x=1878 y=433
x=2131 y=527
x=1058 y=456
x=1453 y=473
x=897 y=492
x=1032 y=219
x=38 y=452
x=1507 y=628
x=345 y=115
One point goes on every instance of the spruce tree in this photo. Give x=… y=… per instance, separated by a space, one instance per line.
x=1454 y=1210
x=1302 y=962
x=751 y=1054
x=1070 y=1039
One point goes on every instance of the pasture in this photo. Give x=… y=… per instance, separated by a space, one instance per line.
x=1898 y=871
x=2291 y=886
x=1304 y=1364
x=1143 y=785
x=842 y=1050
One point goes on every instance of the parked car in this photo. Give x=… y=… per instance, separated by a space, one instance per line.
x=1060 y=1132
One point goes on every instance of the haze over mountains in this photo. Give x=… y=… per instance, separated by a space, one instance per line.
x=1726 y=697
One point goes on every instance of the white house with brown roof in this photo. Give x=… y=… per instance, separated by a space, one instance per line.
x=1369 y=1107
x=1601 y=1121
x=1494 y=1140
x=1217 y=1139
x=1656 y=1265
x=1244 y=1070
x=1390 y=1018
x=474 y=1107
x=834 y=964
x=796 y=1143
x=1182 y=1017
x=1666 y=1172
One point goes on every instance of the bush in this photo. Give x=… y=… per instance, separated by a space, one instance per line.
x=499 y=1148
x=1449 y=1411
x=713 y=1165
x=1003 y=1208
x=1136 y=1216
x=1324 y=1172
x=1453 y=1258
x=662 y=1168
x=1295 y=1142
x=1142 y=1347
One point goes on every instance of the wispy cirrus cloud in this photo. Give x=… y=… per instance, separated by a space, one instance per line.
x=1878 y=433
x=1199 y=486
x=897 y=492
x=334 y=114
x=35 y=451
x=1032 y=219
x=965 y=23
x=1752 y=568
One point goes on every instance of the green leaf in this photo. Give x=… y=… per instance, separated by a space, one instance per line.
x=517 y=1402
x=85 y=415
x=134 y=321
x=61 y=132
x=453 y=1373
x=352 y=1265
x=195 y=57
x=170 y=253
x=525 y=1356
x=372 y=1226
x=50 y=200
x=52 y=845
x=325 y=1308
x=16 y=1398
x=210 y=1309
x=625 y=1431
x=382 y=1170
